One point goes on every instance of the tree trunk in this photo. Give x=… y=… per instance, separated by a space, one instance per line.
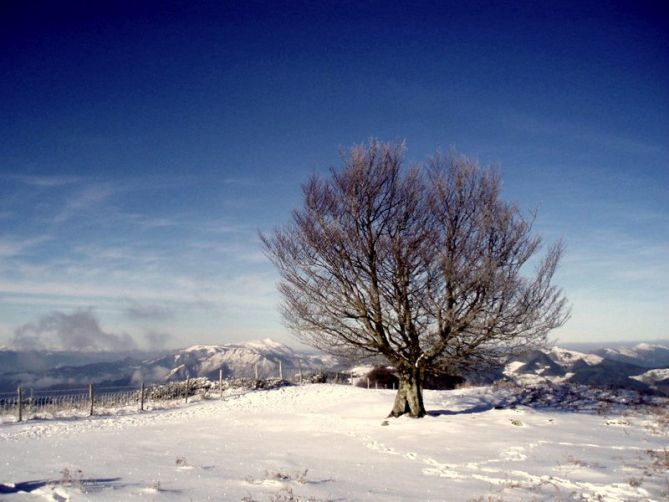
x=409 y=398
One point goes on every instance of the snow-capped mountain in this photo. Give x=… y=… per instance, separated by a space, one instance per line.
x=644 y=354
x=567 y=358
x=557 y=365
x=236 y=360
x=606 y=368
x=657 y=379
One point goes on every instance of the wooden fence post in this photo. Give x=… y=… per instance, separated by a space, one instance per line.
x=280 y=371
x=368 y=382
x=141 y=397
x=20 y=396
x=187 y=386
x=220 y=383
x=299 y=365
x=91 y=396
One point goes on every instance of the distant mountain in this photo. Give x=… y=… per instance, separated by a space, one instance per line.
x=567 y=358
x=553 y=364
x=559 y=365
x=657 y=379
x=608 y=373
x=236 y=360
x=644 y=355
x=627 y=368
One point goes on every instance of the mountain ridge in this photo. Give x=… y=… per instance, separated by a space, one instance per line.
x=267 y=358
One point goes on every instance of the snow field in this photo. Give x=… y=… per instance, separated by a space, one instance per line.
x=329 y=442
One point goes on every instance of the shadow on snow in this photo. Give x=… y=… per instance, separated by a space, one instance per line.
x=554 y=397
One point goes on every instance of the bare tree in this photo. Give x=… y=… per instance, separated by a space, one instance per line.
x=420 y=265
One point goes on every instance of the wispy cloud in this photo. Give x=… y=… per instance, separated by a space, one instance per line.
x=43 y=181
x=144 y=312
x=157 y=339
x=578 y=132
x=15 y=246
x=245 y=251
x=84 y=200
x=620 y=261
x=142 y=266
x=225 y=289
x=148 y=222
x=226 y=227
x=106 y=255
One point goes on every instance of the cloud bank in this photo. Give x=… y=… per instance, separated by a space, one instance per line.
x=78 y=331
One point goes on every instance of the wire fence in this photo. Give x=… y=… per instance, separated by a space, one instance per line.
x=29 y=404
x=26 y=404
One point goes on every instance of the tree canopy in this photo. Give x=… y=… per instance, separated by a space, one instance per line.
x=424 y=265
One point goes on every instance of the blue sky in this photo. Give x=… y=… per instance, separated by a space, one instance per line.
x=144 y=145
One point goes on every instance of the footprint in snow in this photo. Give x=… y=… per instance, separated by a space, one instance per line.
x=375 y=445
x=440 y=470
x=513 y=454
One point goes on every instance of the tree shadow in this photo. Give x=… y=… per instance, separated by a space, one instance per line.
x=88 y=485
x=24 y=486
x=30 y=486
x=482 y=408
x=560 y=397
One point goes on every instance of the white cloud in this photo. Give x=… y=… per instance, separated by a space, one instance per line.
x=79 y=331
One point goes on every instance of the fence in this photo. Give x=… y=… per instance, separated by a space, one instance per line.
x=26 y=403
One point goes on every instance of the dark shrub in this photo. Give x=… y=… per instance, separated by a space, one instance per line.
x=382 y=377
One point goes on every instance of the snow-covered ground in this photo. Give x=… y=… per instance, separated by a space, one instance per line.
x=328 y=442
